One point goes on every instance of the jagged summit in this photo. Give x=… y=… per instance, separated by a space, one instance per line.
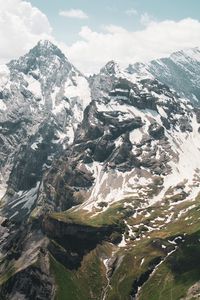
x=45 y=55
x=180 y=71
x=46 y=47
x=190 y=54
x=111 y=68
x=45 y=44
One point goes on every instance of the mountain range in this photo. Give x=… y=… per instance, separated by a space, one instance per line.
x=99 y=179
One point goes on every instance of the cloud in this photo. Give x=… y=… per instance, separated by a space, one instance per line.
x=157 y=39
x=73 y=13
x=21 y=26
x=131 y=12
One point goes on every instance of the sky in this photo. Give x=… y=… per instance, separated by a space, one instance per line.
x=92 y=32
x=124 y=13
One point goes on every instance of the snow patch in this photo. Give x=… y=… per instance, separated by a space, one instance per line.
x=79 y=90
x=136 y=136
x=4 y=76
x=122 y=244
x=3 y=106
x=34 y=86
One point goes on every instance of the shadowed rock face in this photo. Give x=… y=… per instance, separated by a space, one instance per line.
x=144 y=277
x=26 y=264
x=28 y=165
x=31 y=283
x=64 y=182
x=156 y=131
x=75 y=240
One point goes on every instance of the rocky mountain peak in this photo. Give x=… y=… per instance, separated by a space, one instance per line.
x=111 y=68
x=47 y=48
x=44 y=57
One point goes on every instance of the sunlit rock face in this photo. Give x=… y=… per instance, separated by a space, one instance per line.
x=180 y=72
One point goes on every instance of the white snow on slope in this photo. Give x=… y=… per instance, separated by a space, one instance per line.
x=112 y=186
x=136 y=136
x=4 y=79
x=4 y=75
x=25 y=199
x=34 y=86
x=187 y=146
x=34 y=146
x=79 y=90
x=2 y=190
x=3 y=106
x=192 y=54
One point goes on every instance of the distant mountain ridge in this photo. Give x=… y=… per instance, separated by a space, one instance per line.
x=180 y=72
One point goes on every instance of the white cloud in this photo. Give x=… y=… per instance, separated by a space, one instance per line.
x=21 y=26
x=131 y=12
x=73 y=13
x=156 y=40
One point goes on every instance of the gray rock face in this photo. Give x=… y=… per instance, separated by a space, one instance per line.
x=180 y=72
x=156 y=131
x=33 y=281
x=42 y=101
